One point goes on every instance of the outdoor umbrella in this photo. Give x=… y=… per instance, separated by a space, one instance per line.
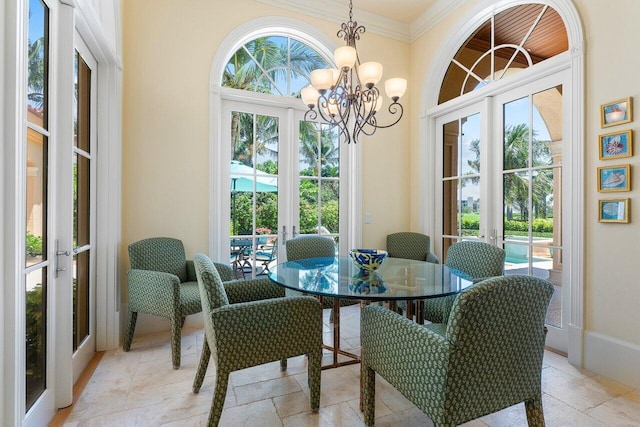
x=246 y=178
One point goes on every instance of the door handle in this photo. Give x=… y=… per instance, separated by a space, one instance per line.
x=284 y=233
x=295 y=233
x=60 y=253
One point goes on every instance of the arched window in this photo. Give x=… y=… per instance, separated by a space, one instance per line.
x=506 y=43
x=275 y=176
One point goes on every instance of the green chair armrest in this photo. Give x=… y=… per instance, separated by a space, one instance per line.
x=395 y=347
x=432 y=258
x=266 y=330
x=149 y=292
x=225 y=271
x=244 y=290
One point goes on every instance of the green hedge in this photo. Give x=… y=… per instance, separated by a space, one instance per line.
x=539 y=225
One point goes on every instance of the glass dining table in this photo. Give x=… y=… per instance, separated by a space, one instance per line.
x=395 y=280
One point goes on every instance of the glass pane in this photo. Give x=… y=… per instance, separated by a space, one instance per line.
x=80 y=298
x=330 y=151
x=241 y=222
x=266 y=143
x=330 y=220
x=83 y=102
x=450 y=207
x=470 y=145
x=310 y=136
x=81 y=201
x=542 y=209
x=550 y=27
x=509 y=61
x=36 y=197
x=309 y=207
x=470 y=207
x=451 y=146
x=37 y=78
x=296 y=83
x=242 y=137
x=36 y=334
x=516 y=205
x=551 y=270
x=547 y=127
x=516 y=134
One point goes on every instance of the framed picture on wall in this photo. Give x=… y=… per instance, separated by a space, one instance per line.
x=613 y=210
x=616 y=144
x=614 y=178
x=616 y=112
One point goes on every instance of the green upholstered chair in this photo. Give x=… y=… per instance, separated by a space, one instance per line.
x=410 y=245
x=474 y=260
x=487 y=358
x=247 y=323
x=315 y=246
x=163 y=283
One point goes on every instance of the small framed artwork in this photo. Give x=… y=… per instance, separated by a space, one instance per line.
x=614 y=178
x=616 y=144
x=616 y=112
x=613 y=210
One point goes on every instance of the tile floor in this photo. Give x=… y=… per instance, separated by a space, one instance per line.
x=139 y=388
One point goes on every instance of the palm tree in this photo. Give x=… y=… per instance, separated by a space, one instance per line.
x=262 y=65
x=516 y=184
x=37 y=71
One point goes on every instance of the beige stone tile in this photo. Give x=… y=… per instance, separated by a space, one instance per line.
x=268 y=371
x=266 y=389
x=586 y=393
x=339 y=415
x=391 y=396
x=261 y=413
x=408 y=418
x=628 y=404
x=560 y=362
x=154 y=373
x=381 y=409
x=292 y=404
x=559 y=414
x=612 y=417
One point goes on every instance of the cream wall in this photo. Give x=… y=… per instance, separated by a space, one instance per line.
x=168 y=51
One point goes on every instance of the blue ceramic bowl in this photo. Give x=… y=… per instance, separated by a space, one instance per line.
x=367 y=259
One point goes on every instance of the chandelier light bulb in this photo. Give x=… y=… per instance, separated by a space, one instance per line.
x=345 y=57
x=370 y=73
x=395 y=88
x=309 y=96
x=322 y=79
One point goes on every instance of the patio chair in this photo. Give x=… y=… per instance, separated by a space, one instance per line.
x=315 y=246
x=163 y=283
x=247 y=324
x=473 y=260
x=487 y=358
x=267 y=255
x=410 y=245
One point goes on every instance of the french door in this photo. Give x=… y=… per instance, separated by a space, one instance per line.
x=283 y=181
x=57 y=305
x=501 y=181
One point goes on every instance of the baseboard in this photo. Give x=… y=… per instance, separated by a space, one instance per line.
x=612 y=358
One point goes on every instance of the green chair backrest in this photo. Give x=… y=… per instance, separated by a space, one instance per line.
x=408 y=245
x=477 y=259
x=163 y=254
x=305 y=247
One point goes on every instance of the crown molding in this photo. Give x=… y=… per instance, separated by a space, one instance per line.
x=337 y=12
x=432 y=16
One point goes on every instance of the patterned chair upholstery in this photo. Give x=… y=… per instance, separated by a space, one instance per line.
x=487 y=358
x=411 y=245
x=474 y=260
x=315 y=246
x=247 y=324
x=163 y=283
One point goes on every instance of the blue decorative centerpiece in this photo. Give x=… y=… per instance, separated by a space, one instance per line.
x=367 y=259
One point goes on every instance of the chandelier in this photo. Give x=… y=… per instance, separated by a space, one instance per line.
x=347 y=96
